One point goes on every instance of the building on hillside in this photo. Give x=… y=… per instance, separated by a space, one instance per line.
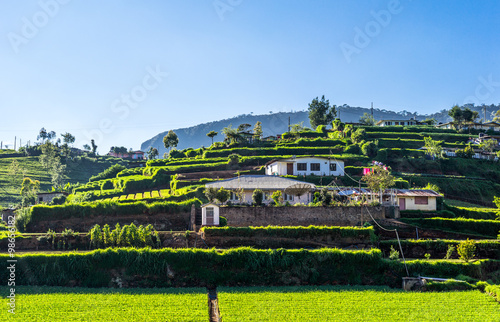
x=493 y=126
x=247 y=184
x=210 y=214
x=417 y=199
x=46 y=197
x=134 y=155
x=305 y=166
x=8 y=214
x=397 y=122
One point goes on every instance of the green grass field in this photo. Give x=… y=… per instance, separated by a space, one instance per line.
x=42 y=304
x=353 y=304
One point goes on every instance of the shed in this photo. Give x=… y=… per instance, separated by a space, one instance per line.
x=210 y=214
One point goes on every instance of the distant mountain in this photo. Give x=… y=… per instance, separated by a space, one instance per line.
x=277 y=123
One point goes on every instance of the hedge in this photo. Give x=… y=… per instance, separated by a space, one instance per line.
x=488 y=228
x=484 y=248
x=237 y=266
x=474 y=213
x=291 y=232
x=39 y=213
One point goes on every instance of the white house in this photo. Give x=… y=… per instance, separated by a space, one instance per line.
x=210 y=214
x=305 y=166
x=396 y=122
x=242 y=188
x=420 y=199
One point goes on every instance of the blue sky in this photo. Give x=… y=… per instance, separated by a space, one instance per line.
x=122 y=71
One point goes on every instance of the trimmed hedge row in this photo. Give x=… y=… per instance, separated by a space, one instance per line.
x=291 y=232
x=237 y=266
x=39 y=213
x=488 y=228
x=279 y=150
x=475 y=213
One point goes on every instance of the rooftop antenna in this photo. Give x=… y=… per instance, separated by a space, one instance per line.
x=484 y=111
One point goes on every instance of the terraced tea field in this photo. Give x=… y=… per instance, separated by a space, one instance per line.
x=81 y=304
x=353 y=304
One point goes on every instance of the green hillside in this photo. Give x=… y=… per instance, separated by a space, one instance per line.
x=79 y=170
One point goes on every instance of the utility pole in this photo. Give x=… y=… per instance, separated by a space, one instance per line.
x=484 y=111
x=372 y=109
x=15 y=141
x=289 y=124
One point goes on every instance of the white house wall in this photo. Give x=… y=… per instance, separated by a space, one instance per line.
x=247 y=198
x=410 y=204
x=280 y=167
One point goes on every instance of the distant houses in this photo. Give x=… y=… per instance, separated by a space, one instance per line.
x=134 y=155
x=305 y=166
x=493 y=126
x=397 y=122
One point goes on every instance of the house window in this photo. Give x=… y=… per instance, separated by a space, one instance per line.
x=333 y=167
x=287 y=197
x=397 y=123
x=315 y=167
x=301 y=166
x=266 y=196
x=234 y=196
x=421 y=200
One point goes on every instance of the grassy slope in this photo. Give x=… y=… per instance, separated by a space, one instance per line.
x=76 y=172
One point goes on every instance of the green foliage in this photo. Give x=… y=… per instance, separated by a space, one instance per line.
x=488 y=228
x=367 y=119
x=335 y=233
x=211 y=194
x=170 y=140
x=320 y=112
x=257 y=197
x=103 y=208
x=449 y=252
x=233 y=159
x=369 y=149
x=29 y=190
x=277 y=197
x=109 y=173
x=222 y=195
x=394 y=254
x=465 y=153
x=358 y=135
x=222 y=221
x=466 y=250
x=433 y=148
x=128 y=236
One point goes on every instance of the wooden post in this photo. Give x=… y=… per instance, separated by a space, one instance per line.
x=213 y=305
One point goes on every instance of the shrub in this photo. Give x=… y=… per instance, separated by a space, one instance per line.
x=449 y=251
x=233 y=159
x=222 y=195
x=257 y=197
x=466 y=250
x=358 y=135
x=58 y=200
x=369 y=149
x=222 y=221
x=394 y=254
x=109 y=173
x=277 y=197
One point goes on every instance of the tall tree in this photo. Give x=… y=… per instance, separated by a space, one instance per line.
x=211 y=135
x=68 y=138
x=29 y=189
x=432 y=148
x=94 y=146
x=461 y=116
x=367 y=119
x=86 y=147
x=152 y=153
x=231 y=135
x=320 y=112
x=243 y=127
x=257 y=130
x=170 y=140
x=496 y=116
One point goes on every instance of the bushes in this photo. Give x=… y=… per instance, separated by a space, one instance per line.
x=237 y=266
x=109 y=173
x=475 y=213
x=292 y=232
x=488 y=228
x=466 y=250
x=103 y=208
x=127 y=236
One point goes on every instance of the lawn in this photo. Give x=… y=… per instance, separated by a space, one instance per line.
x=330 y=303
x=82 y=304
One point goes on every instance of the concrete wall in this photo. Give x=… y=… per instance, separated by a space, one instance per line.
x=300 y=216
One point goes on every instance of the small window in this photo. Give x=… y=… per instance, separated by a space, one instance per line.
x=210 y=212
x=421 y=200
x=287 y=197
x=315 y=167
x=333 y=167
x=301 y=166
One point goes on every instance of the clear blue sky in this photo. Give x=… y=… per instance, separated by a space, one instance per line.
x=136 y=68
